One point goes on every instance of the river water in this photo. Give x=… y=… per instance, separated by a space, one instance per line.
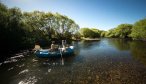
x=108 y=61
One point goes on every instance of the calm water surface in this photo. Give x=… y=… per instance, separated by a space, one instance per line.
x=108 y=61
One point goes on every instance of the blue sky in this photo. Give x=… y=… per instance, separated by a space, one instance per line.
x=101 y=14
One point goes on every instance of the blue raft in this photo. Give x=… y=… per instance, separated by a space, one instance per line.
x=45 y=53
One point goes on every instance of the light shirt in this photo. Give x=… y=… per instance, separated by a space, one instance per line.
x=52 y=46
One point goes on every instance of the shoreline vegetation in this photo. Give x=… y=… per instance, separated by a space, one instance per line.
x=23 y=30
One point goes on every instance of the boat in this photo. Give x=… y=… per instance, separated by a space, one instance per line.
x=45 y=53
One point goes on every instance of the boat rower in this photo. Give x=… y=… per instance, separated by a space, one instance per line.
x=53 y=46
x=37 y=47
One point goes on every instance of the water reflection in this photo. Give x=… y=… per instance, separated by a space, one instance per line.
x=120 y=44
x=138 y=50
x=87 y=44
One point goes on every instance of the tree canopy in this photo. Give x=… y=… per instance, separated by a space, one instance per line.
x=121 y=31
x=90 y=32
x=139 y=30
x=20 y=30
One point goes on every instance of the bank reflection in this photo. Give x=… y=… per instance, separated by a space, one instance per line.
x=138 y=50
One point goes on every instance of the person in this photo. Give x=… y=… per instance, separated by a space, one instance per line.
x=63 y=45
x=37 y=47
x=53 y=46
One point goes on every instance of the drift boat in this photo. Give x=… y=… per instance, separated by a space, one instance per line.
x=45 y=53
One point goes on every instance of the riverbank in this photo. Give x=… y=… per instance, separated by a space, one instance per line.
x=91 y=39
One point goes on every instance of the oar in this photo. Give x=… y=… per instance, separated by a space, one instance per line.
x=61 y=57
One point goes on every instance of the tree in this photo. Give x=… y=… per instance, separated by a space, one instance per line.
x=139 y=30
x=91 y=33
x=65 y=26
x=96 y=32
x=77 y=36
x=110 y=33
x=123 y=30
x=103 y=33
x=21 y=30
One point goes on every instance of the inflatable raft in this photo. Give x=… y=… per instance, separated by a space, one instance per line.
x=45 y=53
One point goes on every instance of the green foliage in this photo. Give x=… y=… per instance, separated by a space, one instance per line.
x=77 y=35
x=11 y=33
x=22 y=30
x=121 y=31
x=110 y=33
x=103 y=33
x=86 y=32
x=96 y=32
x=139 y=30
x=91 y=33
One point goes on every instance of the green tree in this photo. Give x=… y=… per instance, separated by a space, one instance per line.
x=103 y=33
x=110 y=33
x=96 y=33
x=86 y=32
x=21 y=30
x=65 y=26
x=123 y=30
x=139 y=30
x=89 y=32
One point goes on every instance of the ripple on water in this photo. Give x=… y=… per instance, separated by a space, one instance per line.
x=24 y=71
x=30 y=80
x=11 y=68
x=34 y=60
x=49 y=70
x=18 y=56
x=21 y=65
x=10 y=61
x=13 y=59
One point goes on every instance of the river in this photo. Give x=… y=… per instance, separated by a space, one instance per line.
x=108 y=61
